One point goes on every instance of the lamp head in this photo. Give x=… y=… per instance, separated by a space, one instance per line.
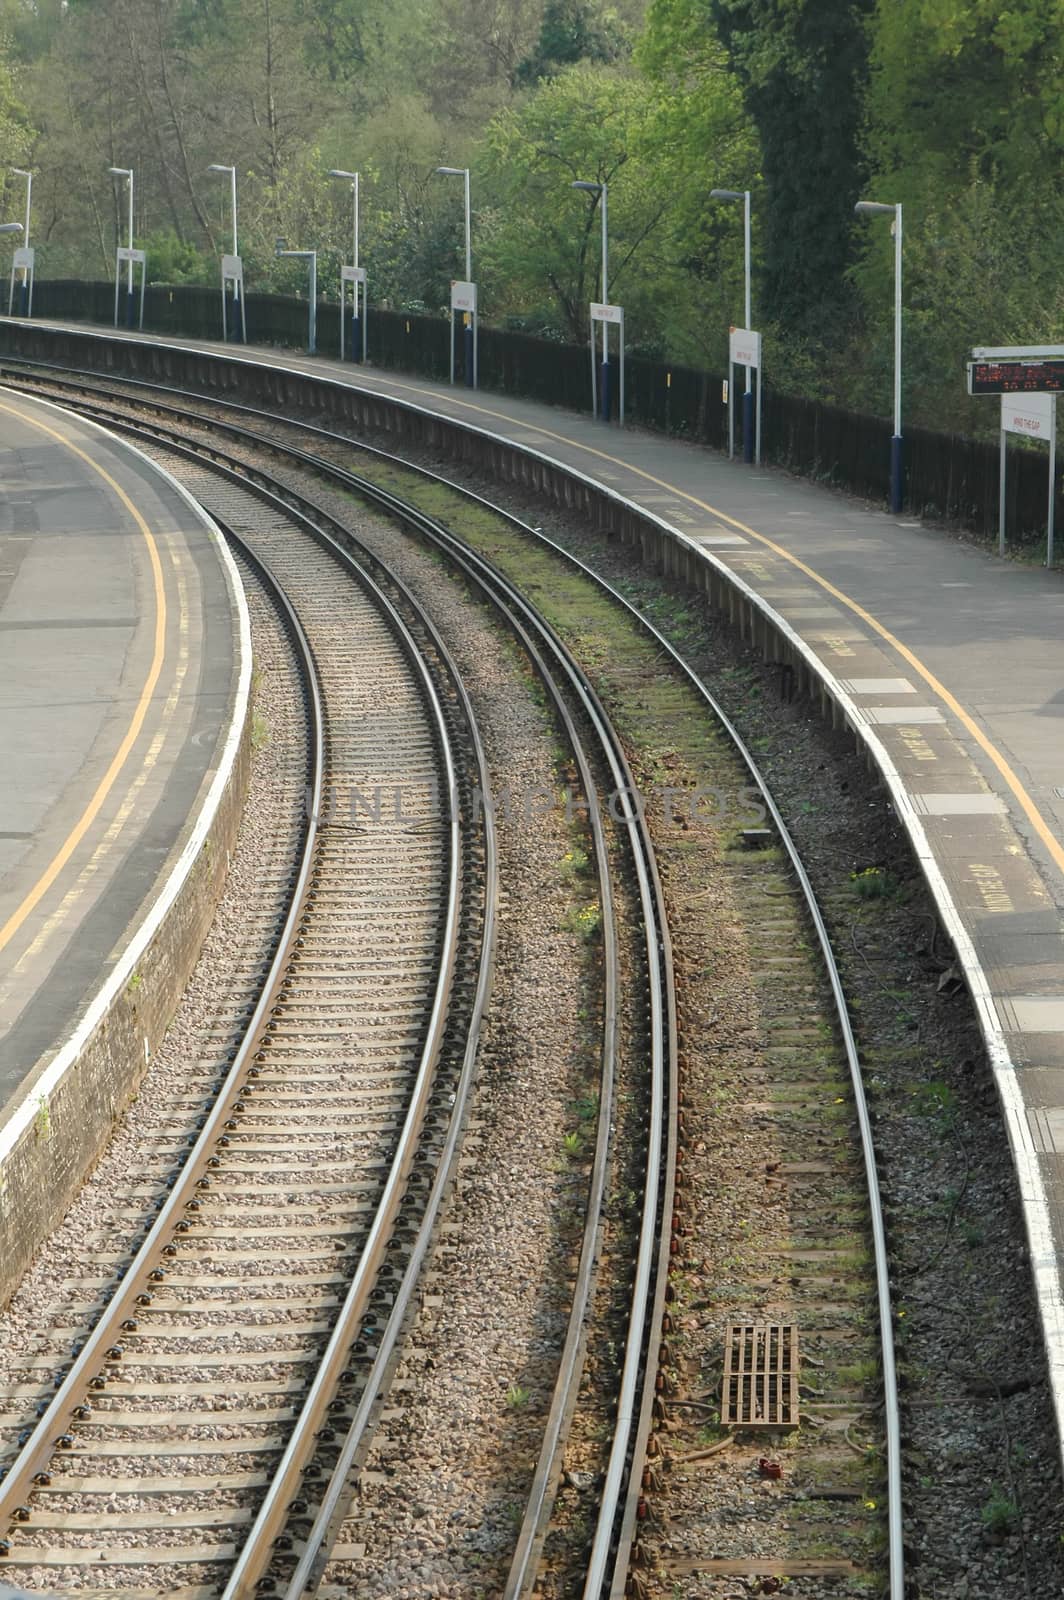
x=590 y=188
x=727 y=194
x=453 y=172
x=338 y=172
x=11 y=227
x=216 y=166
x=873 y=208
x=120 y=172
x=20 y=172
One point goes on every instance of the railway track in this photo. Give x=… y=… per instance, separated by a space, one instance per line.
x=622 y=1502
x=311 y=1169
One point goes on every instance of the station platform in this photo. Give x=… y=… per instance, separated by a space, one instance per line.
x=124 y=676
x=947 y=661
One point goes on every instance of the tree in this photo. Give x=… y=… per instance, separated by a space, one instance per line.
x=570 y=32
x=803 y=68
x=982 y=97
x=588 y=123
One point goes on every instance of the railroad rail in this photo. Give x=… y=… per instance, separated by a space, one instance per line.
x=390 y=1100
x=619 y=1506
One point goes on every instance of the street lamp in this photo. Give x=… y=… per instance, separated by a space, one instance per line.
x=599 y=189
x=312 y=257
x=358 y=316
x=470 y=337
x=27 y=269
x=232 y=269
x=748 y=395
x=872 y=208
x=126 y=172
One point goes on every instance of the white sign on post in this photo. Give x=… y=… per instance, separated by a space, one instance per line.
x=463 y=296
x=601 y=312
x=744 y=348
x=1028 y=414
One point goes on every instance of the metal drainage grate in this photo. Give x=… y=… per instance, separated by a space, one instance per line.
x=760 y=1375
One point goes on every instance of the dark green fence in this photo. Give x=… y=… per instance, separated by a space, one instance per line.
x=947 y=477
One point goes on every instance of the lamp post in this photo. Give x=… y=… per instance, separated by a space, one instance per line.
x=748 y=394
x=235 y=271
x=872 y=208
x=312 y=257
x=126 y=172
x=27 y=271
x=599 y=190
x=358 y=284
x=469 y=317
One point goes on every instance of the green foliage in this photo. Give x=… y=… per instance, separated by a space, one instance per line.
x=541 y=244
x=1000 y=1514
x=570 y=32
x=803 y=67
x=174 y=260
x=954 y=107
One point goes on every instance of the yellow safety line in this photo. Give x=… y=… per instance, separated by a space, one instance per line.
x=1034 y=816
x=103 y=789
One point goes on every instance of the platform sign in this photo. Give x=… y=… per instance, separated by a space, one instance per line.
x=233 y=273
x=22 y=262
x=1031 y=416
x=609 y=317
x=356 y=277
x=464 y=300
x=1028 y=378
x=1016 y=377
x=132 y=258
x=744 y=350
x=744 y=347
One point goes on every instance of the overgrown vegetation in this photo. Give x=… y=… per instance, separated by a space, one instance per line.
x=954 y=107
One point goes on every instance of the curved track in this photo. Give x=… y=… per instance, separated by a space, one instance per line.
x=618 y=1512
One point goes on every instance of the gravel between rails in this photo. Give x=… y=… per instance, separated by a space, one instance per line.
x=444 y=1488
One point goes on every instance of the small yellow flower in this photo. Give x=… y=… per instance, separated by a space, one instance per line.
x=870 y=1505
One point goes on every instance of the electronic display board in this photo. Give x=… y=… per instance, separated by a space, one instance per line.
x=1016 y=377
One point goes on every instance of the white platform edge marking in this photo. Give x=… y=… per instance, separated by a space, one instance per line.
x=24 y=1110
x=1032 y=1189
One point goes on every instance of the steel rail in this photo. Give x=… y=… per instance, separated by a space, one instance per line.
x=269 y=1521
x=147 y=1264
x=658 y=1179
x=892 y=1417
x=331 y=1511
x=892 y=1425
x=661 y=1134
x=259 y=1543
x=257 y=1546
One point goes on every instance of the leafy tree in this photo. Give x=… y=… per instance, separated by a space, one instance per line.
x=803 y=68
x=570 y=32
x=701 y=138
x=983 y=95
x=589 y=123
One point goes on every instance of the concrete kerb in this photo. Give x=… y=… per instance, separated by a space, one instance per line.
x=55 y=1129
x=677 y=553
